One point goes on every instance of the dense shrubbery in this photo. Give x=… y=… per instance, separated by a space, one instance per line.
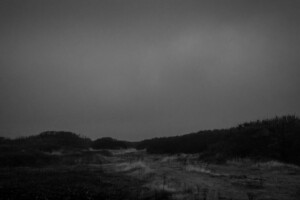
x=29 y=151
x=53 y=140
x=277 y=138
x=26 y=159
x=110 y=143
x=62 y=184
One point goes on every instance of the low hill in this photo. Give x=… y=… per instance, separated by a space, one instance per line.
x=110 y=143
x=51 y=141
x=31 y=151
x=277 y=138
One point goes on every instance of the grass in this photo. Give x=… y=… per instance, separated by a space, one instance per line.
x=275 y=164
x=90 y=175
x=193 y=168
x=133 y=166
x=65 y=183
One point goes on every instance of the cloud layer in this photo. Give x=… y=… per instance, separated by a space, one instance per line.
x=138 y=70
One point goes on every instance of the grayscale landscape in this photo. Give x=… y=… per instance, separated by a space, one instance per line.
x=137 y=175
x=149 y=99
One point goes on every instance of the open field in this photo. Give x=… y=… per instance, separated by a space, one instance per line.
x=186 y=177
x=135 y=174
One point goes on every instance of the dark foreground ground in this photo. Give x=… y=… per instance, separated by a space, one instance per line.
x=65 y=183
x=73 y=175
x=131 y=174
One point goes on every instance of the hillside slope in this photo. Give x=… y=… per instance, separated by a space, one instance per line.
x=277 y=138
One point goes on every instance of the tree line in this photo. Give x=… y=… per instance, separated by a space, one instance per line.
x=277 y=138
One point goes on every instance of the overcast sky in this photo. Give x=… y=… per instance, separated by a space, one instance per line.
x=141 y=69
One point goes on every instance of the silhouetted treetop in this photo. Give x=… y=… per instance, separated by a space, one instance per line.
x=277 y=138
x=110 y=143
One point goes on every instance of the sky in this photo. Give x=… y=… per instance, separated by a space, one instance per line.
x=140 y=69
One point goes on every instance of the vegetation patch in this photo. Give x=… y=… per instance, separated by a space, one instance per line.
x=65 y=183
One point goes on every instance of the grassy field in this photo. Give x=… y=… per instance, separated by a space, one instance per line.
x=64 y=183
x=134 y=174
x=184 y=176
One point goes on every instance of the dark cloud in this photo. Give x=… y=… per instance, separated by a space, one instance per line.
x=140 y=69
